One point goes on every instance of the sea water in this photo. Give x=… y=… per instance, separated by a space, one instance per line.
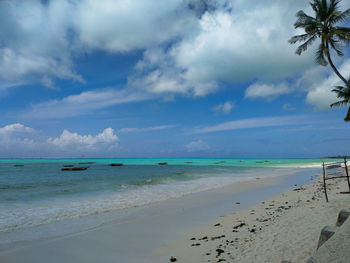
x=36 y=192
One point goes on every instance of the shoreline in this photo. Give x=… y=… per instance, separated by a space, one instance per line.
x=130 y=233
x=285 y=227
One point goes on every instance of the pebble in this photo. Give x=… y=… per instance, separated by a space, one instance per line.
x=173 y=259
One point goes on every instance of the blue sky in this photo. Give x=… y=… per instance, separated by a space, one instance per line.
x=176 y=78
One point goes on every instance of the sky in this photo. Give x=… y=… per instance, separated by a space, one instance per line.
x=175 y=78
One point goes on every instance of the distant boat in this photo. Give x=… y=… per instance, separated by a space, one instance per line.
x=259 y=162
x=68 y=165
x=162 y=163
x=116 y=164
x=17 y=165
x=75 y=168
x=87 y=163
x=220 y=162
x=188 y=162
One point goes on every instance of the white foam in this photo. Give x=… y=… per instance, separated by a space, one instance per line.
x=28 y=215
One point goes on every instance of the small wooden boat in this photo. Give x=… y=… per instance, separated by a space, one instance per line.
x=116 y=164
x=162 y=163
x=75 y=168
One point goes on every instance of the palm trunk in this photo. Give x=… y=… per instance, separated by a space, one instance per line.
x=347 y=118
x=333 y=67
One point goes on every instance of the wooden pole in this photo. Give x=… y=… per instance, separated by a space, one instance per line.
x=347 y=172
x=324 y=182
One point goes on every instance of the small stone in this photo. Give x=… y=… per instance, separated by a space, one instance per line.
x=239 y=225
x=220 y=251
x=173 y=259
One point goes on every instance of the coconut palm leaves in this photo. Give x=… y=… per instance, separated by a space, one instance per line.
x=323 y=26
x=343 y=93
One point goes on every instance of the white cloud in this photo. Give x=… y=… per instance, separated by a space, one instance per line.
x=105 y=140
x=122 y=26
x=18 y=140
x=319 y=88
x=146 y=129
x=190 y=47
x=237 y=41
x=254 y=123
x=267 y=91
x=224 y=107
x=34 y=41
x=11 y=129
x=171 y=81
x=197 y=146
x=84 y=103
x=288 y=107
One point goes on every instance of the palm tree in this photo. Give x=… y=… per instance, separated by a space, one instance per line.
x=343 y=93
x=323 y=26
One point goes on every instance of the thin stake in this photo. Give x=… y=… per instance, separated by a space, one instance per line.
x=324 y=182
x=347 y=173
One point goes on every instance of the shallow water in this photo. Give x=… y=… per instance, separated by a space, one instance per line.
x=39 y=192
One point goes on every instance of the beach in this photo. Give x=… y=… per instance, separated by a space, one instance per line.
x=173 y=131
x=263 y=219
x=283 y=228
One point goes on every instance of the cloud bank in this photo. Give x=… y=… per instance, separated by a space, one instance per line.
x=197 y=146
x=18 y=140
x=189 y=46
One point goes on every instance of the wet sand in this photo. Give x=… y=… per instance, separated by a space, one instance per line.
x=155 y=233
x=285 y=227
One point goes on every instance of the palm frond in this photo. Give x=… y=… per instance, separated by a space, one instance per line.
x=298 y=38
x=314 y=6
x=344 y=39
x=342 y=92
x=340 y=18
x=340 y=103
x=336 y=46
x=303 y=19
x=333 y=8
x=304 y=46
x=341 y=30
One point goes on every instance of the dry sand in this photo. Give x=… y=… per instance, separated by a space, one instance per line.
x=286 y=227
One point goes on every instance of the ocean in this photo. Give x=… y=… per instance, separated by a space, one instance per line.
x=36 y=192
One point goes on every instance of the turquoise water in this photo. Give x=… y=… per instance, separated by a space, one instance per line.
x=250 y=162
x=35 y=191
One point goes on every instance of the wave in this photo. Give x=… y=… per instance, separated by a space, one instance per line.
x=133 y=194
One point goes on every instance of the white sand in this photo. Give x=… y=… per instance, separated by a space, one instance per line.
x=155 y=233
x=286 y=227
